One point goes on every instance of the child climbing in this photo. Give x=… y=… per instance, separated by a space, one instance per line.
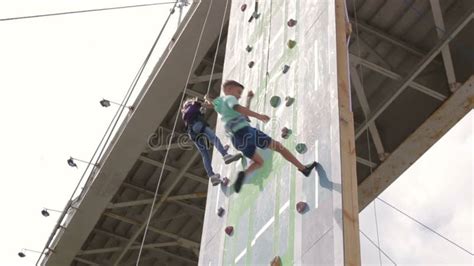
x=200 y=133
x=246 y=138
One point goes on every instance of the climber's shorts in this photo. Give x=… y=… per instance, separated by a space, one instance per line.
x=247 y=140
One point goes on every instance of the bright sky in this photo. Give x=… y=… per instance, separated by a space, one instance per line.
x=55 y=70
x=437 y=190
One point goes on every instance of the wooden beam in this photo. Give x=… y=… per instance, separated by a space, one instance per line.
x=443 y=119
x=350 y=209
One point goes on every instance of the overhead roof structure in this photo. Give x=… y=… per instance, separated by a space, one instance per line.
x=411 y=68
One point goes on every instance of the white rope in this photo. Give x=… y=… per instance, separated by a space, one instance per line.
x=377 y=230
x=375 y=245
x=425 y=226
x=172 y=133
x=267 y=74
x=217 y=48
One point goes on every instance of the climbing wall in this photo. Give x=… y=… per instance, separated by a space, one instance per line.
x=288 y=49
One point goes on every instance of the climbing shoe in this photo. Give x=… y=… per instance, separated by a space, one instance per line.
x=229 y=158
x=308 y=168
x=239 y=182
x=215 y=179
x=289 y=100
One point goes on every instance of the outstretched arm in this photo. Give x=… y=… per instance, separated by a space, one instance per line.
x=249 y=113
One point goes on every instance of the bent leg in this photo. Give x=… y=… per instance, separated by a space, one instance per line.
x=257 y=162
x=278 y=147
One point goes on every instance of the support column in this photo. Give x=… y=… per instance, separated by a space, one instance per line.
x=350 y=206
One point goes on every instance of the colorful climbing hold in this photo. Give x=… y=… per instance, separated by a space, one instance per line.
x=286 y=68
x=301 y=207
x=251 y=64
x=249 y=48
x=255 y=15
x=289 y=101
x=291 y=22
x=243 y=7
x=276 y=261
x=225 y=181
x=285 y=132
x=275 y=101
x=229 y=230
x=301 y=148
x=291 y=44
x=220 y=212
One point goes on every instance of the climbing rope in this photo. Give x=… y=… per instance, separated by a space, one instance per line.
x=425 y=226
x=372 y=242
x=84 y=11
x=174 y=127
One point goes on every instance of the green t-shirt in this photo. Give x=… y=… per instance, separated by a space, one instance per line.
x=232 y=119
